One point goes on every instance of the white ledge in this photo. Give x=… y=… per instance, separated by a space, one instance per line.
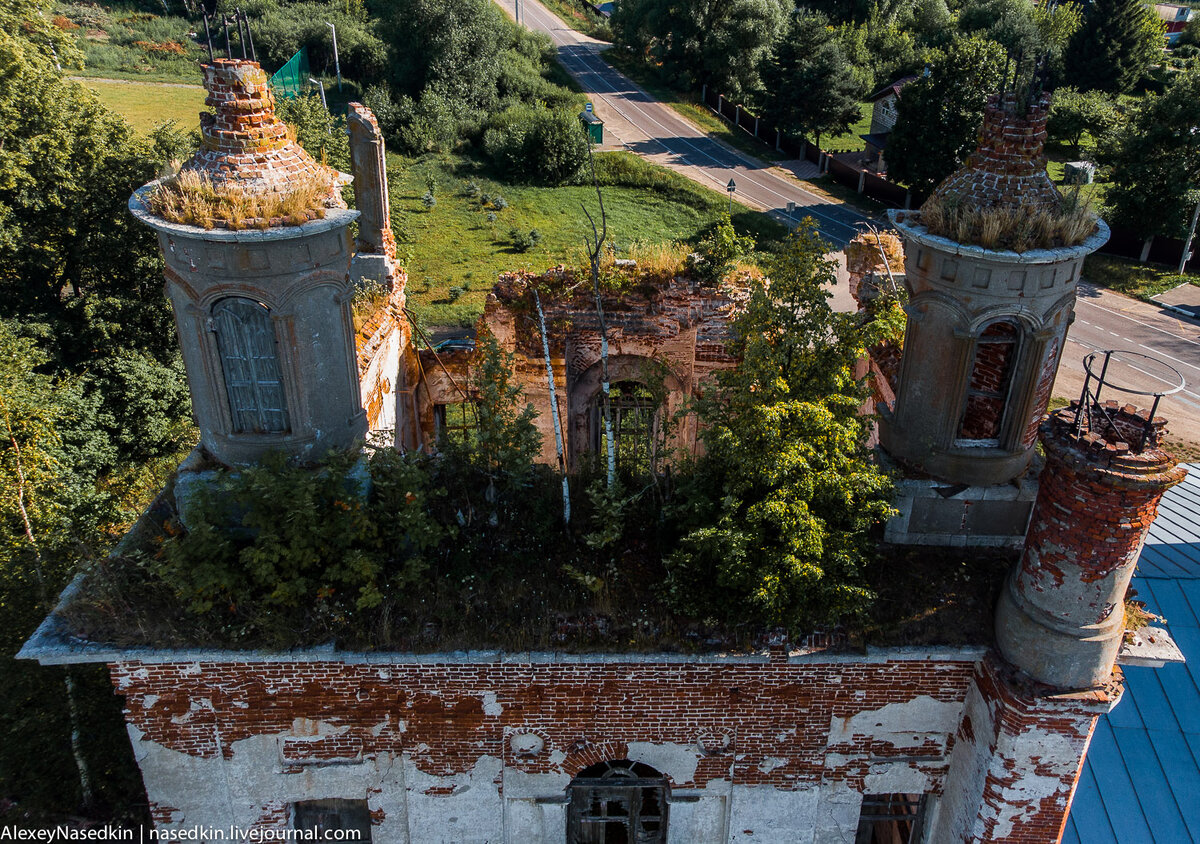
x=913 y=230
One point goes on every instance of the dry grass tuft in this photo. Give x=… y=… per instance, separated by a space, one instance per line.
x=194 y=199
x=1018 y=229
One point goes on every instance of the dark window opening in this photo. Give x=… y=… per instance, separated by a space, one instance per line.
x=890 y=819
x=349 y=818
x=988 y=387
x=250 y=365
x=456 y=423
x=618 y=802
x=637 y=433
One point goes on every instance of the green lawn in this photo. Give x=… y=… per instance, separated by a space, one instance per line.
x=851 y=140
x=454 y=245
x=1142 y=281
x=145 y=104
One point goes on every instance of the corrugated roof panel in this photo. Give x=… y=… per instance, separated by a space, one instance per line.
x=1089 y=825
x=1183 y=775
x=1141 y=780
x=1154 y=795
x=1116 y=789
x=1143 y=688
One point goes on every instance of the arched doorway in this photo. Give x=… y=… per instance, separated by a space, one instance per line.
x=617 y=802
x=636 y=415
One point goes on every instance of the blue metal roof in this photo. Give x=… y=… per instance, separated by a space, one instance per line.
x=1141 y=780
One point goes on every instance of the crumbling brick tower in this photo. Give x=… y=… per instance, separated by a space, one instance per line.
x=985 y=333
x=1061 y=618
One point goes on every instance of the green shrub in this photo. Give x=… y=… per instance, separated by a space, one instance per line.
x=537 y=144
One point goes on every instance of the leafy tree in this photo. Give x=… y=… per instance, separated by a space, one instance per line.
x=721 y=43
x=280 y=29
x=1154 y=164
x=718 y=252
x=938 y=118
x=781 y=505
x=323 y=135
x=1115 y=46
x=449 y=47
x=1074 y=112
x=810 y=84
x=506 y=441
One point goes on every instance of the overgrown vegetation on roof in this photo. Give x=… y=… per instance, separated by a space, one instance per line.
x=1017 y=228
x=771 y=528
x=194 y=199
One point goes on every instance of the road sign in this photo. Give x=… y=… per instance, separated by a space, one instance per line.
x=588 y=108
x=732 y=186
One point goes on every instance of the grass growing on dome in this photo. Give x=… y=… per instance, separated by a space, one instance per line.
x=1019 y=229
x=194 y=199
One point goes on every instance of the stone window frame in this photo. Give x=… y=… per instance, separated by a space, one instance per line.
x=236 y=426
x=1011 y=382
x=612 y=786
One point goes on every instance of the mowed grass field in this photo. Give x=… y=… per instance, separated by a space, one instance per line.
x=145 y=104
x=455 y=245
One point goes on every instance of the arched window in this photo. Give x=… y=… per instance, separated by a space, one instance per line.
x=635 y=423
x=250 y=364
x=988 y=386
x=619 y=802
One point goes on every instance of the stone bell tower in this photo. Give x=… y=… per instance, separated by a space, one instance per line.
x=263 y=306
x=986 y=329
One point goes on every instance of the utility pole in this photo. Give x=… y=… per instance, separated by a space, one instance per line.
x=321 y=87
x=336 y=64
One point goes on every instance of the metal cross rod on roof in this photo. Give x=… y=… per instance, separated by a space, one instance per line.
x=208 y=38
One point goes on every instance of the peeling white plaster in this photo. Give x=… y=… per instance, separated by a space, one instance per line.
x=771 y=763
x=919 y=717
x=677 y=761
x=1032 y=749
x=491 y=706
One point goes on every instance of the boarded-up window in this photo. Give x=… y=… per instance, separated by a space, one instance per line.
x=250 y=364
x=333 y=820
x=891 y=819
x=988 y=388
x=619 y=802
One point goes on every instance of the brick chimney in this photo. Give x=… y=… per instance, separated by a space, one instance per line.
x=243 y=142
x=1008 y=168
x=1061 y=617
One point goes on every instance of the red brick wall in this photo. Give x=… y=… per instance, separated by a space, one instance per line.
x=988 y=384
x=446 y=717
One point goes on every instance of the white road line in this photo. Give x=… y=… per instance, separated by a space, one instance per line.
x=1139 y=322
x=1139 y=369
x=752 y=165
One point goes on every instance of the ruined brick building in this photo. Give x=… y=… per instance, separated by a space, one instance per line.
x=977 y=742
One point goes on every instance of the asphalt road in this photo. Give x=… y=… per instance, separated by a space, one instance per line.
x=635 y=120
x=1105 y=320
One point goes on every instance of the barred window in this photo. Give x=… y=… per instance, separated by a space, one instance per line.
x=250 y=363
x=619 y=802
